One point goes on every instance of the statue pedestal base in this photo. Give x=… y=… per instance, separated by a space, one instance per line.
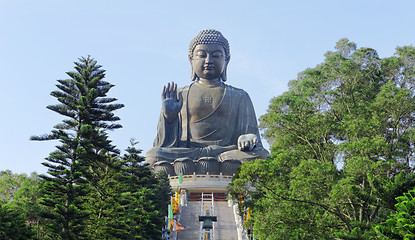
x=201 y=183
x=205 y=175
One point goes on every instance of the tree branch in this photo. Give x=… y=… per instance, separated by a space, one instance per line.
x=325 y=207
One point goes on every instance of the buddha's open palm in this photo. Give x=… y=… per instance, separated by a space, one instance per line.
x=171 y=104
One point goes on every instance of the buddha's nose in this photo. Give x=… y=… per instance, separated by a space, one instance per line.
x=208 y=59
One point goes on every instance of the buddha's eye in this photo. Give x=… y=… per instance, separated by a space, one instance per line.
x=217 y=54
x=200 y=54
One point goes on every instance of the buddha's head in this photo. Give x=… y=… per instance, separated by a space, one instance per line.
x=209 y=55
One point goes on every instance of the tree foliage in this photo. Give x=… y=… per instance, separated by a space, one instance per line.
x=10 y=183
x=19 y=206
x=144 y=199
x=129 y=202
x=91 y=191
x=84 y=145
x=402 y=224
x=342 y=148
x=13 y=225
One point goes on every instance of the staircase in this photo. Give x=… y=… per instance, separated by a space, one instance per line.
x=226 y=226
x=223 y=229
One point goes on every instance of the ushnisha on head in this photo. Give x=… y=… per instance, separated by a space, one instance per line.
x=210 y=36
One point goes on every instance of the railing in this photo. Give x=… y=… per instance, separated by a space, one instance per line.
x=202 y=177
x=201 y=181
x=196 y=196
x=241 y=231
x=207 y=208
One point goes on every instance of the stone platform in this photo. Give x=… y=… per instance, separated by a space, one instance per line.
x=202 y=183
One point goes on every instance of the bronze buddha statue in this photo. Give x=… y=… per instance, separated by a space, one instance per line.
x=208 y=118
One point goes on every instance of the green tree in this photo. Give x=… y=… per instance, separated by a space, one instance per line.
x=26 y=201
x=402 y=224
x=84 y=143
x=104 y=200
x=163 y=192
x=13 y=225
x=21 y=195
x=127 y=201
x=10 y=183
x=355 y=111
x=144 y=199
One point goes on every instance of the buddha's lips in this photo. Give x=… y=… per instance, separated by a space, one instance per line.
x=209 y=67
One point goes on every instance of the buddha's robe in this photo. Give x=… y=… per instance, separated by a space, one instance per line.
x=215 y=135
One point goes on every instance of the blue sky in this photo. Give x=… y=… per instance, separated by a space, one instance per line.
x=144 y=44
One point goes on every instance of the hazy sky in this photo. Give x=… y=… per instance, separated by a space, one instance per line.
x=144 y=44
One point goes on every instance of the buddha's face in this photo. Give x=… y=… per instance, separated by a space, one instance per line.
x=208 y=61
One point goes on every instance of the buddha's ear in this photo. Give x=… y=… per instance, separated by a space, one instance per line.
x=193 y=75
x=224 y=76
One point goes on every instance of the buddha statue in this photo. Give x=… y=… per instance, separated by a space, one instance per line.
x=208 y=118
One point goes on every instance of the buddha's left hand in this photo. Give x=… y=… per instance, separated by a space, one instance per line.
x=247 y=142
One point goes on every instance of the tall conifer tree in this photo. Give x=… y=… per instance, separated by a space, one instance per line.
x=144 y=197
x=84 y=144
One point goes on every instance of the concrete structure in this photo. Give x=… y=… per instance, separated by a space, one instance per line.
x=225 y=227
x=229 y=222
x=202 y=183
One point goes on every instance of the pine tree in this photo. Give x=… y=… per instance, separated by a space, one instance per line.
x=84 y=144
x=104 y=200
x=12 y=224
x=402 y=224
x=164 y=192
x=144 y=197
x=127 y=201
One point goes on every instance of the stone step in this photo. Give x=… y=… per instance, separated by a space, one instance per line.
x=225 y=227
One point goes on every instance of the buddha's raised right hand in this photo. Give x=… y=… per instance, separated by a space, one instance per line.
x=171 y=105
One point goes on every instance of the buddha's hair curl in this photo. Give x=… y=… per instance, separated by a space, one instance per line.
x=210 y=36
